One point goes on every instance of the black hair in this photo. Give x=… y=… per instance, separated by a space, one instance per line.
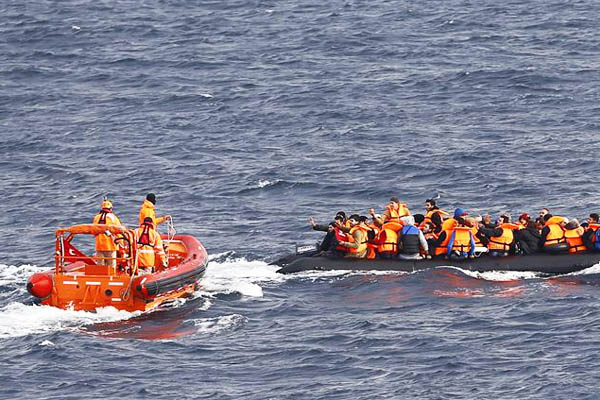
x=354 y=217
x=151 y=197
x=547 y=217
x=343 y=214
x=338 y=218
x=431 y=201
x=595 y=216
x=419 y=218
x=362 y=218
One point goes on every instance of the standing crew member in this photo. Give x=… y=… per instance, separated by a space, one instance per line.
x=147 y=210
x=106 y=249
x=149 y=246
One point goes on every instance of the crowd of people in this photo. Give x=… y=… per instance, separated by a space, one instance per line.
x=150 y=251
x=397 y=234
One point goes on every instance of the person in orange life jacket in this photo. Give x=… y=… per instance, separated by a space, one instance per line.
x=459 y=236
x=573 y=234
x=411 y=240
x=501 y=238
x=434 y=214
x=591 y=224
x=147 y=210
x=106 y=249
x=149 y=246
x=529 y=238
x=430 y=236
x=553 y=238
x=357 y=245
x=447 y=227
x=393 y=211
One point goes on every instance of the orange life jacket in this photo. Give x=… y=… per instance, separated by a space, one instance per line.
x=443 y=247
x=503 y=241
x=474 y=232
x=104 y=242
x=462 y=239
x=396 y=211
x=430 y=214
x=361 y=246
x=557 y=233
x=388 y=237
x=574 y=240
x=149 y=243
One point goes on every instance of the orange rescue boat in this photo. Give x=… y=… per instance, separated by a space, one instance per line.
x=80 y=282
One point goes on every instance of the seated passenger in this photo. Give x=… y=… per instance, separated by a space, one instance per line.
x=461 y=243
x=387 y=240
x=434 y=215
x=411 y=240
x=487 y=222
x=590 y=237
x=553 y=238
x=573 y=234
x=393 y=211
x=356 y=246
x=334 y=234
x=502 y=238
x=529 y=238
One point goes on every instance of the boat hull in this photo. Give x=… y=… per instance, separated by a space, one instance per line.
x=543 y=263
x=87 y=287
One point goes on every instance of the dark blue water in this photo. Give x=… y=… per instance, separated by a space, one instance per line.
x=245 y=118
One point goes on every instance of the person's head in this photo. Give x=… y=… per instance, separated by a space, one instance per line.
x=524 y=218
x=428 y=227
x=363 y=219
x=594 y=217
x=151 y=197
x=504 y=219
x=339 y=219
x=471 y=222
x=430 y=204
x=331 y=226
x=486 y=219
x=533 y=225
x=459 y=212
x=395 y=200
x=106 y=206
x=546 y=217
x=572 y=224
x=342 y=214
x=353 y=219
x=419 y=218
x=543 y=212
x=148 y=221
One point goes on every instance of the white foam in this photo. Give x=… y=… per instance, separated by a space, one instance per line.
x=46 y=343
x=17 y=274
x=498 y=275
x=594 y=269
x=238 y=275
x=265 y=182
x=219 y=324
x=17 y=319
